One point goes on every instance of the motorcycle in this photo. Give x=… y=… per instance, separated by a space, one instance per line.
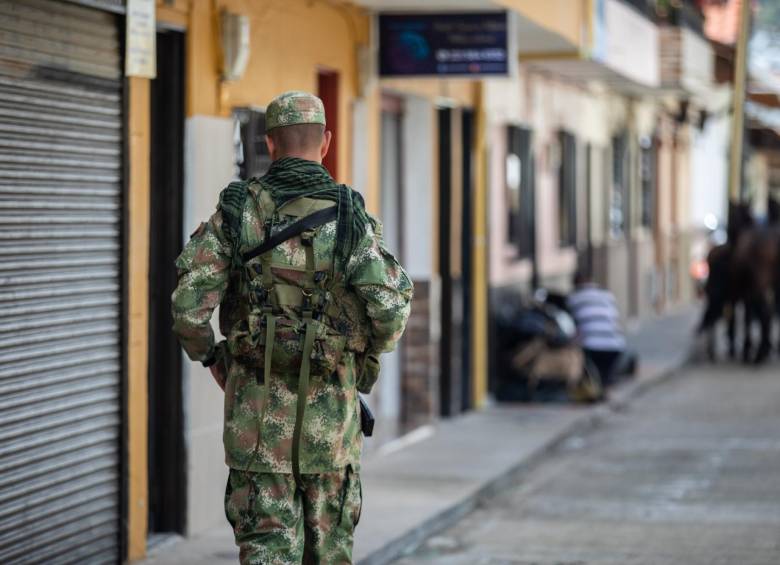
x=540 y=358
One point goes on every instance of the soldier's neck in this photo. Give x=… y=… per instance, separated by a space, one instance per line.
x=310 y=156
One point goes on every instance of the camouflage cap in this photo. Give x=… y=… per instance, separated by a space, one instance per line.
x=292 y=108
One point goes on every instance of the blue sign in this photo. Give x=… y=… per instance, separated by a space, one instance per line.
x=443 y=44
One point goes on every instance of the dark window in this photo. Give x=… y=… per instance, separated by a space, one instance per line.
x=519 y=181
x=252 y=156
x=648 y=180
x=567 y=190
x=619 y=205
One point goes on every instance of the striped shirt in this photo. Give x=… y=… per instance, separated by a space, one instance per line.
x=597 y=317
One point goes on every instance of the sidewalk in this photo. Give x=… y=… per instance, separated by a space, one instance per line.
x=413 y=492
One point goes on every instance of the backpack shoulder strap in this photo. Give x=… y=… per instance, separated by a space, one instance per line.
x=310 y=222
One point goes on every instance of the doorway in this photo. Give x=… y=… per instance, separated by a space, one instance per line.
x=455 y=237
x=167 y=456
x=328 y=91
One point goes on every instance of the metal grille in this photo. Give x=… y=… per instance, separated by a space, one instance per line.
x=60 y=318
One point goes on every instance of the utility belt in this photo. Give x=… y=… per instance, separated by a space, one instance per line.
x=269 y=339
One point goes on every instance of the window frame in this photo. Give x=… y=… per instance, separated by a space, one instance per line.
x=521 y=216
x=567 y=189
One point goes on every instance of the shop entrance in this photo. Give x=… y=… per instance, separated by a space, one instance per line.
x=62 y=309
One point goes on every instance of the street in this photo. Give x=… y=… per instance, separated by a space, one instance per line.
x=687 y=474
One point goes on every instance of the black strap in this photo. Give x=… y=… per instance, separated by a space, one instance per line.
x=309 y=222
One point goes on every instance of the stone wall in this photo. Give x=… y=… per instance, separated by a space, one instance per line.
x=419 y=389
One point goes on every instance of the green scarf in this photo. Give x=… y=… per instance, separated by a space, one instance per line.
x=290 y=178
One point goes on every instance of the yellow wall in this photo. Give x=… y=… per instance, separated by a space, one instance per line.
x=138 y=315
x=290 y=41
x=479 y=277
x=567 y=18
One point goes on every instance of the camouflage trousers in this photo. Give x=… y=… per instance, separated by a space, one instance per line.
x=277 y=523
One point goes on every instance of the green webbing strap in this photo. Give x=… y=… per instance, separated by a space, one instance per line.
x=267 y=278
x=270 y=337
x=307 y=239
x=308 y=346
x=303 y=393
x=307 y=223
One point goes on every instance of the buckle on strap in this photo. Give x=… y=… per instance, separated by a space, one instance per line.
x=307 y=238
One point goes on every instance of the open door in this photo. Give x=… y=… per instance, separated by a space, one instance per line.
x=454 y=250
x=167 y=457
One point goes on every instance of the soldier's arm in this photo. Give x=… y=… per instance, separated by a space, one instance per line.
x=384 y=287
x=203 y=268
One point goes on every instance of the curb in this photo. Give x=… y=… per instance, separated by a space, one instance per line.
x=589 y=421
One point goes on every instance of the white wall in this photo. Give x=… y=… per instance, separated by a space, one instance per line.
x=631 y=44
x=698 y=62
x=208 y=167
x=387 y=398
x=360 y=145
x=709 y=171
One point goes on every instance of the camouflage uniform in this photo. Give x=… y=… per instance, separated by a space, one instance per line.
x=369 y=309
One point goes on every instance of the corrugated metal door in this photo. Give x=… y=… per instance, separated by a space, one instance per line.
x=60 y=299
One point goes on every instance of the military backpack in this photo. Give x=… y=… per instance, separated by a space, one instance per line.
x=285 y=320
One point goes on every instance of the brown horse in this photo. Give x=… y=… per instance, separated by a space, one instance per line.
x=744 y=271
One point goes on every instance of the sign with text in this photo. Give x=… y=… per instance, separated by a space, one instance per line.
x=141 y=44
x=443 y=44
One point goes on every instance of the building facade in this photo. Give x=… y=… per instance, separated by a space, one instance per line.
x=596 y=151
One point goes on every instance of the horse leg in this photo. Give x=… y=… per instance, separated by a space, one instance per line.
x=775 y=314
x=711 y=341
x=764 y=311
x=747 y=343
x=731 y=322
x=708 y=325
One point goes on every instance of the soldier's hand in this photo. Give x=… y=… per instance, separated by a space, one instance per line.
x=218 y=372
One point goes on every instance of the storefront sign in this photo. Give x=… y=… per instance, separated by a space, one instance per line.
x=443 y=44
x=140 y=53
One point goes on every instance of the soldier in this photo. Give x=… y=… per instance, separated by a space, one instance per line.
x=309 y=297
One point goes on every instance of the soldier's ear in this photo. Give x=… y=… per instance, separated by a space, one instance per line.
x=271 y=147
x=326 y=139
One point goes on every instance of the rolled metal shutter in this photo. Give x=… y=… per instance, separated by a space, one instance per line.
x=60 y=294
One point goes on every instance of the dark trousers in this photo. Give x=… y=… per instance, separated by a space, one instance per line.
x=606 y=361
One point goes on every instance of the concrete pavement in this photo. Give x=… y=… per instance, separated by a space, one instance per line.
x=442 y=474
x=689 y=475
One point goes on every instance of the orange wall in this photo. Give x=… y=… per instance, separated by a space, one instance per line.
x=137 y=310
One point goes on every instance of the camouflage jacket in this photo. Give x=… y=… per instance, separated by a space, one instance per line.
x=373 y=312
